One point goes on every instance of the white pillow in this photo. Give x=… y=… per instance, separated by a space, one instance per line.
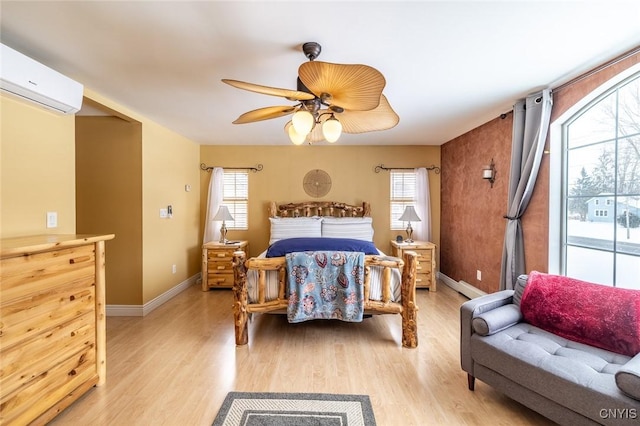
x=294 y=227
x=359 y=228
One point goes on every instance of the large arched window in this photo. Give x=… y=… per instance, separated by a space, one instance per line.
x=600 y=207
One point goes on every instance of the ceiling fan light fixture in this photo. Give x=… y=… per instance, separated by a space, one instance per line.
x=332 y=129
x=295 y=137
x=303 y=121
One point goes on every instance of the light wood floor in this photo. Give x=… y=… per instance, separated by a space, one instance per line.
x=175 y=366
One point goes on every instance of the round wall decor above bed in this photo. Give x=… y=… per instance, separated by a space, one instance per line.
x=316 y=183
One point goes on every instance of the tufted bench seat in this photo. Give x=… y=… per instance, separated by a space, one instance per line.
x=568 y=382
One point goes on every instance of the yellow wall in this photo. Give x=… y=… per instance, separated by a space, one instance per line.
x=351 y=169
x=37 y=169
x=109 y=198
x=170 y=162
x=38 y=175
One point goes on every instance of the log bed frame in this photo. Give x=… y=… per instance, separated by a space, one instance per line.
x=407 y=307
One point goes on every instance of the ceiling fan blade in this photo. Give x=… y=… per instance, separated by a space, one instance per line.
x=266 y=113
x=353 y=87
x=381 y=118
x=292 y=95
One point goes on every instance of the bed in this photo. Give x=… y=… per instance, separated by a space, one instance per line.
x=262 y=284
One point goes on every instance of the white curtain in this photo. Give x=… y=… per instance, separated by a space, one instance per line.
x=531 y=118
x=214 y=201
x=422 y=229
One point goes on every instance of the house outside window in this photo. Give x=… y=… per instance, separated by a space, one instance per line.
x=601 y=188
x=403 y=193
x=236 y=198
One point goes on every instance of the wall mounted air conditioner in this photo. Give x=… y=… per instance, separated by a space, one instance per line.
x=35 y=82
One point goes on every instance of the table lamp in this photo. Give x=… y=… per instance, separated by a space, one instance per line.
x=409 y=215
x=223 y=214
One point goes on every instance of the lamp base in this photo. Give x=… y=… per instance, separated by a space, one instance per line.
x=223 y=234
x=409 y=230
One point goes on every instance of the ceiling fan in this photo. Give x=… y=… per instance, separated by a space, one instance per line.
x=331 y=99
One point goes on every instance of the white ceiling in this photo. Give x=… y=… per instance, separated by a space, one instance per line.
x=450 y=65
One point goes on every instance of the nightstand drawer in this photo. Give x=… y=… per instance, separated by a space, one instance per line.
x=220 y=265
x=222 y=280
x=220 y=255
x=424 y=255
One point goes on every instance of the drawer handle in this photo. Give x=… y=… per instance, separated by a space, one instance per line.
x=220 y=254
x=220 y=267
x=220 y=280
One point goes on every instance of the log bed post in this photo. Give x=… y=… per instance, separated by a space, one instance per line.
x=409 y=308
x=240 y=315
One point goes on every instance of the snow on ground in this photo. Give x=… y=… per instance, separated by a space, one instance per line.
x=597 y=265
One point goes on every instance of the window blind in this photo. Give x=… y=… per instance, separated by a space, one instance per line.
x=403 y=193
x=236 y=198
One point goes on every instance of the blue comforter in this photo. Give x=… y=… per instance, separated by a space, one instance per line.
x=325 y=285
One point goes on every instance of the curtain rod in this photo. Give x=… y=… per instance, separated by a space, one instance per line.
x=379 y=167
x=599 y=68
x=253 y=169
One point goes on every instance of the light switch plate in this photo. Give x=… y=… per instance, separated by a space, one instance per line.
x=52 y=219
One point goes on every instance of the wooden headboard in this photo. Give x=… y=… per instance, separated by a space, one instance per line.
x=319 y=208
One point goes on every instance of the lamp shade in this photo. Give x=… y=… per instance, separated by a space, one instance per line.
x=409 y=215
x=303 y=122
x=294 y=137
x=223 y=214
x=331 y=129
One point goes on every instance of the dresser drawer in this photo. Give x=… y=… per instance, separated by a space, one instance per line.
x=60 y=343
x=38 y=273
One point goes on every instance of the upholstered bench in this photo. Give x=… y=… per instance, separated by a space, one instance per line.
x=565 y=380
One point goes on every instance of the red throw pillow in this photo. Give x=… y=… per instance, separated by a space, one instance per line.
x=597 y=315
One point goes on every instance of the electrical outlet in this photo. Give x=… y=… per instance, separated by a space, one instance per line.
x=52 y=219
x=479 y=275
x=174 y=269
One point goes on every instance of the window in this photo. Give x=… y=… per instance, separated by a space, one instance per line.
x=236 y=198
x=403 y=192
x=601 y=158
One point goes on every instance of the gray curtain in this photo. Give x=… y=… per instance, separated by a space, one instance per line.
x=531 y=118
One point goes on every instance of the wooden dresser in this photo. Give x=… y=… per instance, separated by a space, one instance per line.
x=426 y=277
x=52 y=324
x=217 y=270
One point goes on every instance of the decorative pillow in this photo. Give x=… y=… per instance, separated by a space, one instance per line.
x=593 y=314
x=628 y=378
x=360 y=228
x=291 y=245
x=495 y=320
x=518 y=289
x=294 y=227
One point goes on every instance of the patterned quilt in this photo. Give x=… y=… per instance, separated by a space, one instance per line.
x=325 y=285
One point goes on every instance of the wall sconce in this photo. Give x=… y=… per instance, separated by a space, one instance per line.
x=489 y=172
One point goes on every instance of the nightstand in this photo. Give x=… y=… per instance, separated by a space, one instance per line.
x=217 y=268
x=425 y=277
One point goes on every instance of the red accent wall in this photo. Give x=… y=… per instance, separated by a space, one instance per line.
x=472 y=223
